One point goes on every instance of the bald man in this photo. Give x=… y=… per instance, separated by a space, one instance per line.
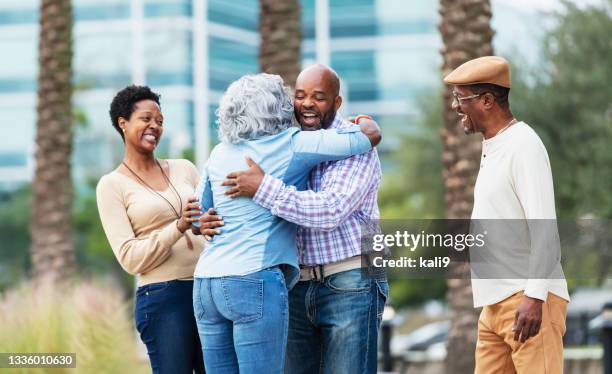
x=335 y=310
x=323 y=85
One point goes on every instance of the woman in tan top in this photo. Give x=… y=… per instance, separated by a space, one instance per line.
x=146 y=207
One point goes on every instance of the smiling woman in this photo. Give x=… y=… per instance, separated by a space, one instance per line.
x=146 y=207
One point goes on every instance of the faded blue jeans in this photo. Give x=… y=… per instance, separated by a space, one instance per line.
x=334 y=323
x=242 y=322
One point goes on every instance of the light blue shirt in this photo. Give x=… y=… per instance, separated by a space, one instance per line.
x=252 y=239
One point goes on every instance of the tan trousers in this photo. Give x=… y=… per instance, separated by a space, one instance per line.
x=498 y=353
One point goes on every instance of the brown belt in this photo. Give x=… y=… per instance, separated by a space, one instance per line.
x=320 y=272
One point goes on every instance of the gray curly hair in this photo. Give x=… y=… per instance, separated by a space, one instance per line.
x=254 y=106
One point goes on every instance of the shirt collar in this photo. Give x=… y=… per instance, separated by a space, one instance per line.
x=338 y=122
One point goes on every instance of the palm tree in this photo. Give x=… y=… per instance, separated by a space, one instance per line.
x=281 y=38
x=466 y=34
x=51 y=227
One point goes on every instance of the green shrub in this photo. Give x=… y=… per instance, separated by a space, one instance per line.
x=89 y=319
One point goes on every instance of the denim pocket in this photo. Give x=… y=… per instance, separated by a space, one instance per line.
x=198 y=308
x=349 y=281
x=153 y=288
x=243 y=298
x=383 y=295
x=278 y=274
x=141 y=315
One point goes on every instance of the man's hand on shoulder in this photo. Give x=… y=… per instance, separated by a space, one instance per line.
x=245 y=182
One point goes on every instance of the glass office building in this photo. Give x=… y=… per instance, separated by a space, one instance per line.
x=188 y=51
x=386 y=52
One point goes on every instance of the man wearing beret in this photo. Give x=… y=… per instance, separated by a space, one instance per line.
x=522 y=322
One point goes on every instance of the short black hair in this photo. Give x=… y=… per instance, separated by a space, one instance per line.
x=123 y=103
x=500 y=93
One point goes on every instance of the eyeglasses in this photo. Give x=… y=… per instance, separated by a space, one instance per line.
x=459 y=99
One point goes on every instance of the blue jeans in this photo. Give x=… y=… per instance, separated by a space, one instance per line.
x=242 y=321
x=334 y=323
x=165 y=321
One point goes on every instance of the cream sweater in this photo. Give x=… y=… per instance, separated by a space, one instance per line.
x=141 y=227
x=515 y=184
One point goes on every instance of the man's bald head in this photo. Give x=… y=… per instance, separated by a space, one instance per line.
x=317 y=97
x=323 y=73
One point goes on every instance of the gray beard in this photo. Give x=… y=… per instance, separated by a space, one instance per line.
x=468 y=131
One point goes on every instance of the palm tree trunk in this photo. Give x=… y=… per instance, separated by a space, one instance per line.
x=51 y=224
x=281 y=38
x=466 y=34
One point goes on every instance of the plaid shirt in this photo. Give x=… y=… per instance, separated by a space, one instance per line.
x=341 y=196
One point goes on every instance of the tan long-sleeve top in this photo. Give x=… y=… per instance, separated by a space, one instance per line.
x=141 y=226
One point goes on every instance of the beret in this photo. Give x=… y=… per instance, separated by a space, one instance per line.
x=488 y=69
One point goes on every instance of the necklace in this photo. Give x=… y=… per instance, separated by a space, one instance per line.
x=153 y=191
x=512 y=122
